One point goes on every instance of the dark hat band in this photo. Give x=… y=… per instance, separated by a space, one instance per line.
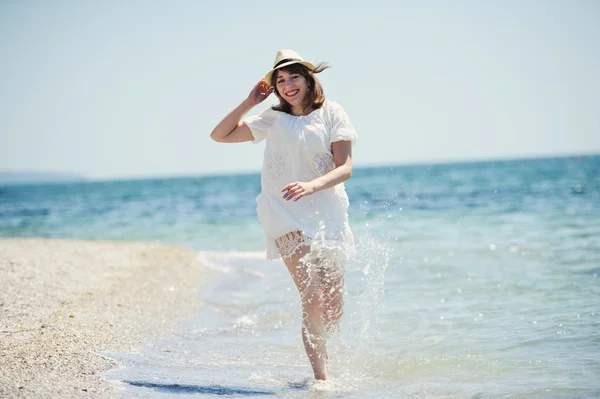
x=286 y=60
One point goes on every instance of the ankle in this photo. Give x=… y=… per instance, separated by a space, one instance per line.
x=320 y=376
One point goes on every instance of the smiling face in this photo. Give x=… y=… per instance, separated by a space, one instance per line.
x=292 y=87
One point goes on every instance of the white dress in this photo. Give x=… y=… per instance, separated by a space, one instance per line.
x=298 y=148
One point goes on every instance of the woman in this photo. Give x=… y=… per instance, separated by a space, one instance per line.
x=303 y=203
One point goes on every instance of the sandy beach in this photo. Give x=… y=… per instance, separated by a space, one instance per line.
x=63 y=301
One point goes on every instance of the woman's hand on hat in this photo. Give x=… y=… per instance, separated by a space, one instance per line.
x=298 y=190
x=260 y=92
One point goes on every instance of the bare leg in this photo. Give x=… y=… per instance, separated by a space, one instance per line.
x=333 y=291
x=308 y=282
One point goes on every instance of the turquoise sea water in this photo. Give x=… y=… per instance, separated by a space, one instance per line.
x=470 y=280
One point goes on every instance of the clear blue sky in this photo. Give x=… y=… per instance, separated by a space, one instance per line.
x=113 y=89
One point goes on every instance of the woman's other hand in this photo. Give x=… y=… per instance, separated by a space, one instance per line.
x=298 y=190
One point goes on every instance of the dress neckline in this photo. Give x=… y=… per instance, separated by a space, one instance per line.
x=307 y=115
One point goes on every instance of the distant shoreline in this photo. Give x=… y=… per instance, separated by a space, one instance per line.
x=18 y=177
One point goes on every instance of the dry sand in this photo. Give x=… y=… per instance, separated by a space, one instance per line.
x=62 y=301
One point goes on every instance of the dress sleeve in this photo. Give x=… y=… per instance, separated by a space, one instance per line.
x=341 y=128
x=261 y=124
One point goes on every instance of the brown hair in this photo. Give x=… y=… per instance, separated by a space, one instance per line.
x=315 y=97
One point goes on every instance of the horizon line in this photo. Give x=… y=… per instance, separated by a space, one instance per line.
x=82 y=178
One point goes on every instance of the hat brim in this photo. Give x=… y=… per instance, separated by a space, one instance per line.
x=307 y=64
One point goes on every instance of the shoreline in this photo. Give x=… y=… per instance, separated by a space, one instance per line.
x=63 y=301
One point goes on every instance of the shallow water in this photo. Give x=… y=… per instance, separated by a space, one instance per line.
x=470 y=280
x=443 y=330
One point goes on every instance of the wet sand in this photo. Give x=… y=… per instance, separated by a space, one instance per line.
x=63 y=301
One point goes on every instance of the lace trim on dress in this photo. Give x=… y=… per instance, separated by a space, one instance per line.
x=290 y=243
x=340 y=247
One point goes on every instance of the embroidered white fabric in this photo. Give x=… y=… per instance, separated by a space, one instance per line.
x=298 y=148
x=338 y=248
x=323 y=163
x=288 y=244
x=274 y=165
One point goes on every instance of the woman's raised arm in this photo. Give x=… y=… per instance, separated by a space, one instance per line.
x=230 y=130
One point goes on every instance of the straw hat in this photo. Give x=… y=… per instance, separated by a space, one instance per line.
x=285 y=58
